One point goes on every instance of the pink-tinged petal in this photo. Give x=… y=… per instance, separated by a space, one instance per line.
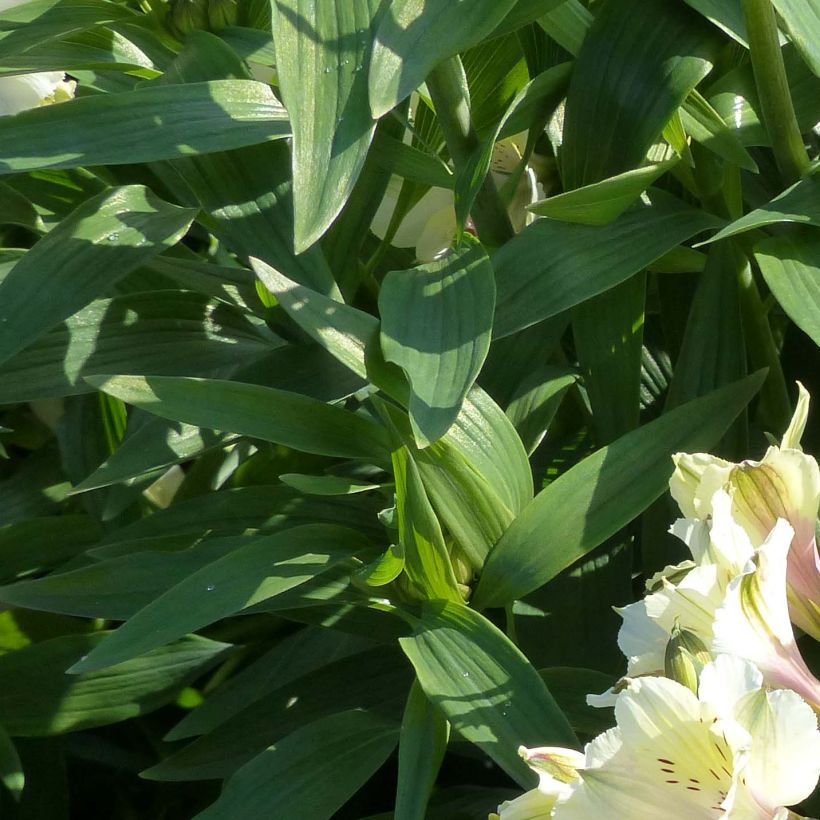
x=753 y=621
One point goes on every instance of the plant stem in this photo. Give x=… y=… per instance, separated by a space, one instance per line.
x=775 y=407
x=447 y=84
x=773 y=89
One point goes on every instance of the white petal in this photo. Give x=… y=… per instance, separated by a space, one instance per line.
x=753 y=621
x=694 y=532
x=792 y=436
x=784 y=764
x=532 y=805
x=726 y=680
x=20 y=92
x=696 y=478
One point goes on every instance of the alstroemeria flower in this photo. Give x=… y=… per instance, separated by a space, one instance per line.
x=732 y=597
x=733 y=751
x=784 y=484
x=19 y=92
x=430 y=225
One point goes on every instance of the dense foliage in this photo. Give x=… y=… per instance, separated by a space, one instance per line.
x=345 y=346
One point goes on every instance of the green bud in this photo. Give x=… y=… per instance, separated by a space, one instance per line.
x=189 y=15
x=686 y=655
x=221 y=14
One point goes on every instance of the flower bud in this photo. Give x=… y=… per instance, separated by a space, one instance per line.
x=189 y=15
x=221 y=14
x=686 y=655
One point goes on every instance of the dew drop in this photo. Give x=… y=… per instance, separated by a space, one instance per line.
x=113 y=237
x=327 y=69
x=210 y=587
x=465 y=674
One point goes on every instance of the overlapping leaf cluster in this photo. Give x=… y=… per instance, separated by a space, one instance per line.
x=300 y=521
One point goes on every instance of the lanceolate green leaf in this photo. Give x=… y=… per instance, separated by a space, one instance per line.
x=25 y=25
x=159 y=332
x=637 y=65
x=422 y=745
x=426 y=560
x=713 y=353
x=802 y=19
x=250 y=410
x=322 y=61
x=601 y=202
x=37 y=698
x=312 y=771
x=11 y=769
x=484 y=686
x=791 y=267
x=436 y=325
x=175 y=120
x=265 y=567
x=800 y=203
x=104 y=239
x=604 y=492
x=585 y=260
x=413 y=36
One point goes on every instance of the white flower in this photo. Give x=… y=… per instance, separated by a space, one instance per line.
x=732 y=597
x=784 y=484
x=732 y=751
x=19 y=92
x=430 y=225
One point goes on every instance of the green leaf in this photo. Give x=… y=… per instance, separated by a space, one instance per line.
x=601 y=202
x=585 y=260
x=608 y=333
x=342 y=330
x=637 y=65
x=175 y=120
x=155 y=444
x=726 y=15
x=384 y=570
x=567 y=24
x=260 y=412
x=302 y=653
x=326 y=484
x=484 y=686
x=709 y=360
x=536 y=400
x=39 y=544
x=791 y=267
x=604 y=492
x=38 y=699
x=802 y=21
x=570 y=686
x=104 y=239
x=259 y=570
x=158 y=332
x=413 y=36
x=26 y=25
x=488 y=441
x=317 y=769
x=11 y=769
x=436 y=326
x=523 y=13
x=322 y=58
x=706 y=126
x=799 y=203
x=376 y=680
x=426 y=560
x=422 y=745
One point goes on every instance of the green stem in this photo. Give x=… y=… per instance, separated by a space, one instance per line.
x=775 y=407
x=773 y=89
x=448 y=89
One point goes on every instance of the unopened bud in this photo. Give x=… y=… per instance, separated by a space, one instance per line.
x=189 y=15
x=221 y=14
x=686 y=655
